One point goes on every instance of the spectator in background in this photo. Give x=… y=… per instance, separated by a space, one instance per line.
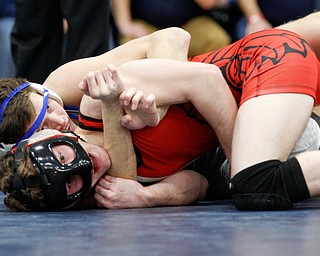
x=7 y=16
x=39 y=42
x=264 y=14
x=136 y=18
x=317 y=5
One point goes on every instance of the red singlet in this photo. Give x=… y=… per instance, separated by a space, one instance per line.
x=181 y=137
x=267 y=62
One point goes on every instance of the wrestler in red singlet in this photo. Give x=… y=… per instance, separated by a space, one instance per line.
x=181 y=137
x=262 y=63
x=265 y=62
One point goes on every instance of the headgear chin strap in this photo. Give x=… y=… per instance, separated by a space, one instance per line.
x=52 y=174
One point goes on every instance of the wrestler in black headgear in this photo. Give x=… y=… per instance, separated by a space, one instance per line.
x=53 y=175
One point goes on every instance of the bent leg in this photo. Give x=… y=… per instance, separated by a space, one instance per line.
x=266 y=129
x=270 y=185
x=310 y=165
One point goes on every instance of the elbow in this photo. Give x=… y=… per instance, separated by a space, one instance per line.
x=180 y=36
x=174 y=41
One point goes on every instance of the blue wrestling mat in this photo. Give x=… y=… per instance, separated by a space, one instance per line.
x=207 y=228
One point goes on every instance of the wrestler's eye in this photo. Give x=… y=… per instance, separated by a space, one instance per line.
x=48 y=108
x=61 y=158
x=65 y=154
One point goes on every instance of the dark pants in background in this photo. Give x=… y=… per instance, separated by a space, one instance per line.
x=39 y=42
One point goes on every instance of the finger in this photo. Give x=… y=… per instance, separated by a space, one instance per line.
x=92 y=85
x=112 y=69
x=91 y=79
x=101 y=201
x=108 y=78
x=149 y=100
x=108 y=178
x=128 y=96
x=126 y=121
x=83 y=86
x=99 y=78
x=104 y=183
x=136 y=100
x=115 y=76
x=101 y=190
x=122 y=97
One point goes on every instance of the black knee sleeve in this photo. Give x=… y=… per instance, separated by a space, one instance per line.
x=270 y=185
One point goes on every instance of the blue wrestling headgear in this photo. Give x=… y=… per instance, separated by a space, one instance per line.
x=47 y=93
x=53 y=175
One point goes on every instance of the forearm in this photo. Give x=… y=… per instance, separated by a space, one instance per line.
x=254 y=16
x=182 y=188
x=249 y=7
x=117 y=141
x=121 y=10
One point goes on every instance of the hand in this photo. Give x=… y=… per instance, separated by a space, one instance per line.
x=211 y=4
x=116 y=193
x=140 y=111
x=260 y=24
x=104 y=84
x=133 y=29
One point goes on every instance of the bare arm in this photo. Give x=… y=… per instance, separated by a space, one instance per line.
x=254 y=16
x=249 y=7
x=172 y=43
x=211 y=4
x=116 y=138
x=182 y=188
x=175 y=82
x=121 y=10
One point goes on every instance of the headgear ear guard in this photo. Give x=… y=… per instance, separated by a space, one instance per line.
x=53 y=175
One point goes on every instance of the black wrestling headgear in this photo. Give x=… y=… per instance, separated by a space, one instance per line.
x=53 y=175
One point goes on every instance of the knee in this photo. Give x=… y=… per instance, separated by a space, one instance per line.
x=260 y=188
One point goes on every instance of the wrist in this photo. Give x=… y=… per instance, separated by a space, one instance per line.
x=255 y=18
x=147 y=197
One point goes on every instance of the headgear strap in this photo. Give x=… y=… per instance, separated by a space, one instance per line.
x=8 y=98
x=41 y=115
x=39 y=119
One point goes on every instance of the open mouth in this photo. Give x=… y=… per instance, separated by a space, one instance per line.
x=95 y=166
